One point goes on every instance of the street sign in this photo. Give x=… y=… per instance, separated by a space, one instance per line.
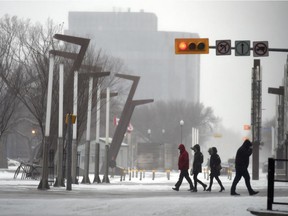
x=260 y=48
x=242 y=48
x=223 y=47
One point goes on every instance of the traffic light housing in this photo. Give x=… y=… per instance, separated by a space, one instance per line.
x=191 y=45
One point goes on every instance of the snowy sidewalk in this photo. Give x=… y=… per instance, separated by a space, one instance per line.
x=144 y=197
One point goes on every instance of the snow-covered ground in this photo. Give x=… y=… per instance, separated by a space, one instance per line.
x=135 y=197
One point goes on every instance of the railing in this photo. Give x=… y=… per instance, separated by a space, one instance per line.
x=271 y=180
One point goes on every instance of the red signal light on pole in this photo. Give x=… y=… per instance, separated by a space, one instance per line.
x=191 y=46
x=182 y=46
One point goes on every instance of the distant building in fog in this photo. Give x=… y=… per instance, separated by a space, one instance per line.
x=147 y=52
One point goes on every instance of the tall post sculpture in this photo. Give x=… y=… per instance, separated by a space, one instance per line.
x=125 y=116
x=78 y=58
x=60 y=180
x=44 y=180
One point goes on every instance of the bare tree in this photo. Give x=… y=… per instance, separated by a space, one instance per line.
x=167 y=115
x=26 y=50
x=8 y=90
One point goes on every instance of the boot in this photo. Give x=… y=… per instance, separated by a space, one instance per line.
x=253 y=193
x=204 y=186
x=234 y=194
x=194 y=190
x=175 y=188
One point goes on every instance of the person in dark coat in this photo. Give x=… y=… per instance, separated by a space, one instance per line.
x=183 y=166
x=215 y=167
x=241 y=167
x=197 y=167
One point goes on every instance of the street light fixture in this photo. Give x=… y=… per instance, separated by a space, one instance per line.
x=149 y=134
x=163 y=132
x=181 y=125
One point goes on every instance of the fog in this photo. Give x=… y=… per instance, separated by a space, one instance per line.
x=225 y=80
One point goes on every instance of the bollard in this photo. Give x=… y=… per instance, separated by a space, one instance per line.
x=230 y=174
x=207 y=174
x=136 y=173
x=168 y=174
x=143 y=173
x=153 y=174
x=140 y=175
x=122 y=177
x=130 y=174
x=124 y=174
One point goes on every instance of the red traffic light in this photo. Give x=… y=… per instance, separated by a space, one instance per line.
x=182 y=46
x=191 y=45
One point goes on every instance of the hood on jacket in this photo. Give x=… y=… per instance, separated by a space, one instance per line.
x=247 y=144
x=214 y=150
x=181 y=147
x=196 y=147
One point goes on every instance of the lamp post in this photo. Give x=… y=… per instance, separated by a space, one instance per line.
x=162 y=151
x=163 y=132
x=149 y=134
x=181 y=125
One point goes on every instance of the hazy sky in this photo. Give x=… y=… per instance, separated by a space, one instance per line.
x=225 y=80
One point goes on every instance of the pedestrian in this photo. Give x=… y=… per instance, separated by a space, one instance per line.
x=215 y=167
x=241 y=168
x=183 y=166
x=197 y=167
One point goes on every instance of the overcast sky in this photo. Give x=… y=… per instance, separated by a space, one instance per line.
x=225 y=80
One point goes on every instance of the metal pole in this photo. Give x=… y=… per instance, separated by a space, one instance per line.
x=69 y=154
x=88 y=130
x=44 y=180
x=106 y=174
x=273 y=142
x=181 y=124
x=181 y=133
x=256 y=116
x=270 y=192
x=74 y=140
x=60 y=181
x=97 y=147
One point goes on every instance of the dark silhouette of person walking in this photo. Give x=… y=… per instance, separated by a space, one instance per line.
x=183 y=166
x=197 y=167
x=241 y=168
x=215 y=167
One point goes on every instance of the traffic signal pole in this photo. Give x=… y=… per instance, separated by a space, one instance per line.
x=269 y=49
x=242 y=48
x=256 y=116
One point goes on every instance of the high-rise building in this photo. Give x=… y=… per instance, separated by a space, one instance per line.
x=147 y=52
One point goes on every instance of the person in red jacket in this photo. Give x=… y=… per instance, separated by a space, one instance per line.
x=183 y=166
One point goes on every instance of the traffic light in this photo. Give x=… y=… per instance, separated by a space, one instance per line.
x=247 y=127
x=191 y=45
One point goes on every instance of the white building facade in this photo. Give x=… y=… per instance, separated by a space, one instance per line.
x=147 y=52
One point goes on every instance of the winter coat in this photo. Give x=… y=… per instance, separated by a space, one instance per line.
x=183 y=160
x=197 y=163
x=215 y=164
x=243 y=154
